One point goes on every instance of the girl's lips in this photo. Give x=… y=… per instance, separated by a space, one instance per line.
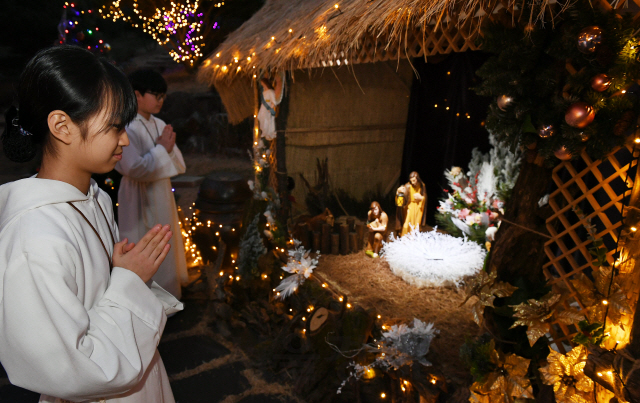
x=117 y=156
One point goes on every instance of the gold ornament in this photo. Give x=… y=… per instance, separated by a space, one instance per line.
x=504 y=101
x=589 y=39
x=486 y=289
x=507 y=383
x=566 y=374
x=537 y=314
x=597 y=295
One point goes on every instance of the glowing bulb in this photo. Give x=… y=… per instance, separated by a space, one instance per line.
x=324 y=285
x=340 y=299
x=379 y=316
x=605 y=302
x=634 y=229
x=221 y=273
x=337 y=6
x=637 y=140
x=599 y=373
x=382 y=395
x=624 y=91
x=433 y=381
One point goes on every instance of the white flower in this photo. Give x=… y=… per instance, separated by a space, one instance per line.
x=490 y=233
x=270 y=218
x=251 y=184
x=264 y=195
x=455 y=171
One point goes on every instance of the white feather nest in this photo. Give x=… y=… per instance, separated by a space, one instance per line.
x=432 y=259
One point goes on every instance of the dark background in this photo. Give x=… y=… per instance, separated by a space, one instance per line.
x=437 y=138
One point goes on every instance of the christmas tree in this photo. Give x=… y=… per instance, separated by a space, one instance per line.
x=79 y=26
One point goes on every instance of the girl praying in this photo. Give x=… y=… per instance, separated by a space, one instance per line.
x=80 y=318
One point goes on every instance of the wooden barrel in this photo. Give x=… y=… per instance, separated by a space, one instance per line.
x=221 y=201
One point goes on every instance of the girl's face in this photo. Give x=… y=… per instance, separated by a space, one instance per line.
x=102 y=148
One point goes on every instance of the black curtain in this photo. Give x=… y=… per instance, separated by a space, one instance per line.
x=438 y=138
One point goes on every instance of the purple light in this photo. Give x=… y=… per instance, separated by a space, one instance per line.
x=215 y=25
x=71 y=23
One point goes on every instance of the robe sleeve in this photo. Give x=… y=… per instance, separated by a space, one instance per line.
x=150 y=166
x=169 y=303
x=50 y=343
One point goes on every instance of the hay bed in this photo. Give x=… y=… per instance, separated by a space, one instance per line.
x=371 y=284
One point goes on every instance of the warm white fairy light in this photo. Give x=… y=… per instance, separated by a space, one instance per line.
x=179 y=29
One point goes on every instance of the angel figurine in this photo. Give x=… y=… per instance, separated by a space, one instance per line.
x=269 y=99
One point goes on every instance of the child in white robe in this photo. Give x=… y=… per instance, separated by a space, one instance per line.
x=80 y=318
x=148 y=163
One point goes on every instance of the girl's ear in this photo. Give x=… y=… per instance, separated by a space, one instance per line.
x=61 y=126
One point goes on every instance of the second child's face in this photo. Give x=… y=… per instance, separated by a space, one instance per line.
x=149 y=103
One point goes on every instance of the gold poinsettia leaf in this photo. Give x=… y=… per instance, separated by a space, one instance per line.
x=476 y=284
x=477 y=310
x=507 y=382
x=566 y=374
x=485 y=288
x=535 y=332
x=602 y=279
x=585 y=289
x=569 y=317
x=536 y=315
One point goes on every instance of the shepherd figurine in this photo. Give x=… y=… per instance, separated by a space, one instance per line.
x=377 y=225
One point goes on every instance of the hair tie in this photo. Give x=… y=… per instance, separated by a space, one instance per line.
x=23 y=132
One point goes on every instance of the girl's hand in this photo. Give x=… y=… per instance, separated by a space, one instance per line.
x=144 y=258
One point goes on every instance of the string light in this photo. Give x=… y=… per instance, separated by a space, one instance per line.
x=180 y=29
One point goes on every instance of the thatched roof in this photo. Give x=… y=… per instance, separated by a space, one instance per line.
x=293 y=34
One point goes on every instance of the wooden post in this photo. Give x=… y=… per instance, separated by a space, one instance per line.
x=335 y=244
x=316 y=241
x=353 y=242
x=325 y=247
x=351 y=221
x=344 y=239
x=303 y=235
x=359 y=235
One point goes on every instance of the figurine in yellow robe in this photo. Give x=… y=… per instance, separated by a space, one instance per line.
x=414 y=201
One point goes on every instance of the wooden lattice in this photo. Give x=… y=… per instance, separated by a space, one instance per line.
x=598 y=189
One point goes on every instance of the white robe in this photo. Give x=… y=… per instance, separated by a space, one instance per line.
x=68 y=328
x=266 y=120
x=145 y=197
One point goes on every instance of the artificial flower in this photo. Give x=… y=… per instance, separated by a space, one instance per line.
x=566 y=374
x=485 y=288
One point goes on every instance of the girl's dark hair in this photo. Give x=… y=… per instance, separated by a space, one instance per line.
x=148 y=80
x=69 y=79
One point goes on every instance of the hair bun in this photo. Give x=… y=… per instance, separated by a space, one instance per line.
x=18 y=147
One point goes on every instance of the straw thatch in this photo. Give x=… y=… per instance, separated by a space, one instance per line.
x=294 y=34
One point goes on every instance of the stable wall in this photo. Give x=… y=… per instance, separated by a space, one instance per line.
x=356 y=117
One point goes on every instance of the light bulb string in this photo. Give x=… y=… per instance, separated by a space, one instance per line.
x=625 y=201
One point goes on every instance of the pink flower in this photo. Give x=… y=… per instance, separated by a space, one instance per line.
x=463 y=213
x=477 y=218
x=497 y=204
x=493 y=216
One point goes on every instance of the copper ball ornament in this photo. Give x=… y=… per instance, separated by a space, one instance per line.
x=589 y=39
x=546 y=131
x=600 y=82
x=563 y=154
x=504 y=101
x=584 y=136
x=579 y=115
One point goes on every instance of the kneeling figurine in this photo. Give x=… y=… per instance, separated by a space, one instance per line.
x=377 y=225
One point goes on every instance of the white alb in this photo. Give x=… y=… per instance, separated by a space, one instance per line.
x=145 y=197
x=69 y=329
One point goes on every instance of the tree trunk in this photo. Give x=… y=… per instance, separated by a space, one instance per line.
x=518 y=252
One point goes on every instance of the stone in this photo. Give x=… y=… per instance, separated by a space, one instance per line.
x=223 y=311
x=189 y=352
x=212 y=385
